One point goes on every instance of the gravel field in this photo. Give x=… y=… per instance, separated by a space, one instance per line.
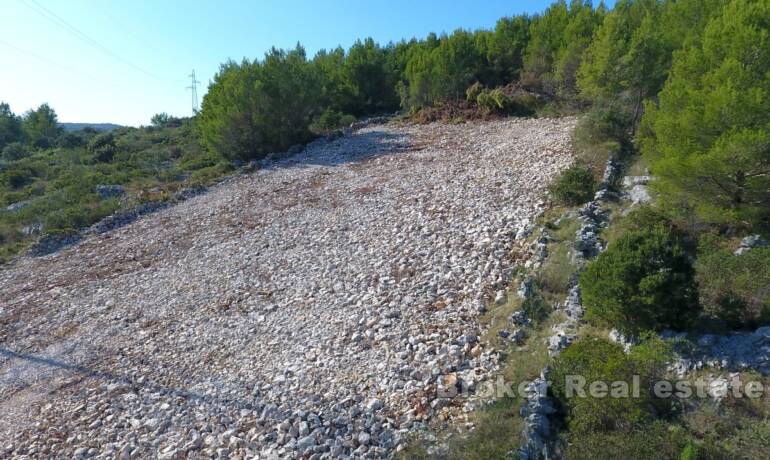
x=305 y=310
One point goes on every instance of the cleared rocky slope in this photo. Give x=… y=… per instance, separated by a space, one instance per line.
x=306 y=308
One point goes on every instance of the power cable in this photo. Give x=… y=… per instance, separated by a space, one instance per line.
x=66 y=26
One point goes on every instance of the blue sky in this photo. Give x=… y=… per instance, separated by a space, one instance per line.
x=123 y=61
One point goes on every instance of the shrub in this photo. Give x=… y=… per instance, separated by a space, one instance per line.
x=330 y=120
x=524 y=104
x=603 y=123
x=557 y=271
x=535 y=305
x=575 y=186
x=493 y=101
x=17 y=177
x=42 y=143
x=642 y=217
x=164 y=120
x=255 y=108
x=103 y=147
x=67 y=220
x=734 y=289
x=657 y=440
x=69 y=141
x=597 y=359
x=473 y=91
x=208 y=175
x=643 y=281
x=600 y=135
x=14 y=151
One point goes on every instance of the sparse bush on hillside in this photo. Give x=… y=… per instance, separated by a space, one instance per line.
x=643 y=281
x=58 y=185
x=70 y=141
x=734 y=288
x=640 y=218
x=14 y=151
x=43 y=142
x=17 y=176
x=600 y=135
x=574 y=186
x=493 y=101
x=603 y=123
x=473 y=91
x=103 y=147
x=10 y=126
x=658 y=440
x=164 y=120
x=595 y=359
x=525 y=104
x=331 y=120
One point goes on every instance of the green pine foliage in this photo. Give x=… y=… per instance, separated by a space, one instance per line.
x=576 y=185
x=557 y=41
x=707 y=137
x=257 y=107
x=599 y=360
x=643 y=281
x=330 y=120
x=734 y=289
x=41 y=126
x=10 y=126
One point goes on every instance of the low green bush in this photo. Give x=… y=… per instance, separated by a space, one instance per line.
x=473 y=91
x=643 y=281
x=601 y=124
x=103 y=147
x=493 y=101
x=68 y=220
x=17 y=177
x=70 y=141
x=535 y=305
x=330 y=120
x=617 y=408
x=639 y=218
x=557 y=270
x=600 y=135
x=43 y=142
x=524 y=104
x=209 y=175
x=658 y=440
x=576 y=185
x=734 y=288
x=14 y=151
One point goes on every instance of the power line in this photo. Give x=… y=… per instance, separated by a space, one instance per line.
x=50 y=61
x=69 y=28
x=194 y=89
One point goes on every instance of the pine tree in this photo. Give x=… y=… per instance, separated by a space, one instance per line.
x=708 y=138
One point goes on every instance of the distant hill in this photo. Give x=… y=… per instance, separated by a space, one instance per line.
x=96 y=126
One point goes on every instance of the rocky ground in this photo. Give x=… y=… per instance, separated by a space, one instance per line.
x=306 y=309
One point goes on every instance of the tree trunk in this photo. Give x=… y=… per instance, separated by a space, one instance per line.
x=637 y=109
x=740 y=189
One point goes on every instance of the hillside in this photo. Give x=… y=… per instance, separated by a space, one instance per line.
x=307 y=303
x=95 y=126
x=375 y=252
